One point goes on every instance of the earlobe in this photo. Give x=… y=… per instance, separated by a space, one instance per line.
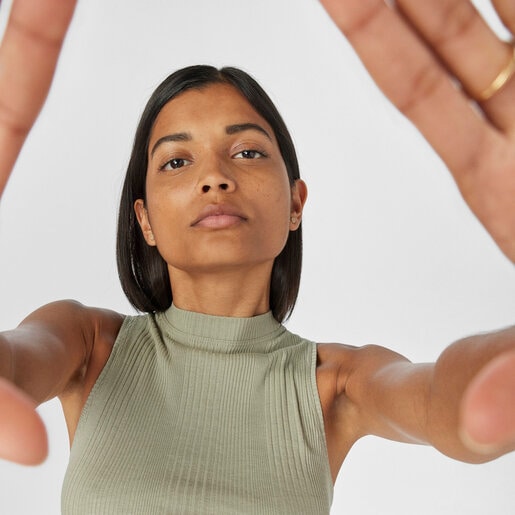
x=144 y=223
x=299 y=194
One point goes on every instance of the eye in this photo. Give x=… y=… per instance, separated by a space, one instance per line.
x=174 y=164
x=250 y=154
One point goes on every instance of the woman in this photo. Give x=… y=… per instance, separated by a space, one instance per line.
x=374 y=364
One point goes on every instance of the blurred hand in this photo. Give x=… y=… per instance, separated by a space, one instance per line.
x=418 y=52
x=22 y=433
x=488 y=407
x=28 y=56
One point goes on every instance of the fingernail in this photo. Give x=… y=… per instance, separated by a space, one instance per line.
x=477 y=447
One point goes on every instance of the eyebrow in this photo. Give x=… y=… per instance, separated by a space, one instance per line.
x=178 y=136
x=230 y=129
x=241 y=127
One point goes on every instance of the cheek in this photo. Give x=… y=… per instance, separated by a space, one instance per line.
x=276 y=212
x=166 y=228
x=164 y=212
x=280 y=199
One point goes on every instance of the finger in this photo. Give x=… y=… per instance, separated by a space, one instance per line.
x=488 y=410
x=506 y=11
x=22 y=433
x=30 y=48
x=470 y=49
x=414 y=80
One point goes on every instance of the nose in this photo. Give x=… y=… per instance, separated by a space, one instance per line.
x=224 y=186
x=216 y=178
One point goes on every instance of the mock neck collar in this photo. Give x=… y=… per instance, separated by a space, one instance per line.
x=258 y=334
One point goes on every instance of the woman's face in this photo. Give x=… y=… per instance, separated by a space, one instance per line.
x=218 y=194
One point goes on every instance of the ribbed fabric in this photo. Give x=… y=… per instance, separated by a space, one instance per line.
x=196 y=414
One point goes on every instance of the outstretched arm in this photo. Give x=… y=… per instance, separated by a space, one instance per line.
x=384 y=394
x=28 y=57
x=58 y=350
x=38 y=360
x=444 y=68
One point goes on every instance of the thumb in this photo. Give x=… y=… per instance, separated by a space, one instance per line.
x=488 y=407
x=23 y=436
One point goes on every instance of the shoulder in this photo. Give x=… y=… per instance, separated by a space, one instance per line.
x=372 y=390
x=85 y=336
x=79 y=336
x=334 y=361
x=345 y=362
x=72 y=320
x=70 y=311
x=52 y=348
x=335 y=364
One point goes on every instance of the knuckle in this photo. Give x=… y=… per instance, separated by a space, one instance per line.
x=366 y=18
x=37 y=36
x=424 y=83
x=456 y=20
x=12 y=122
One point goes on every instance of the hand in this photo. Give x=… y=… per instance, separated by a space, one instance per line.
x=28 y=56
x=417 y=52
x=22 y=433
x=488 y=407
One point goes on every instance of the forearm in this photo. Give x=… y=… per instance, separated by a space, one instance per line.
x=454 y=371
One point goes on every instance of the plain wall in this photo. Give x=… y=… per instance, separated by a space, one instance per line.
x=392 y=254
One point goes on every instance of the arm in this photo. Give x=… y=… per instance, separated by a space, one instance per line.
x=46 y=352
x=28 y=57
x=417 y=52
x=423 y=403
x=35 y=364
x=51 y=353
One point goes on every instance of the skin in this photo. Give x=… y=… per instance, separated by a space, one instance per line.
x=22 y=435
x=412 y=51
x=28 y=57
x=206 y=263
x=370 y=390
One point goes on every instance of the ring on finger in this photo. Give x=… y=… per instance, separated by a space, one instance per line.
x=504 y=76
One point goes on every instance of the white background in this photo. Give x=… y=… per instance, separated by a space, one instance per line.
x=392 y=254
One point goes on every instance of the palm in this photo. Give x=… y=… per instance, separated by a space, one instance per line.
x=416 y=52
x=22 y=433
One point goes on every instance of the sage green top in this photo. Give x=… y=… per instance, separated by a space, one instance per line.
x=197 y=414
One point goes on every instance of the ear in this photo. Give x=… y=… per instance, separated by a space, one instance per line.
x=144 y=223
x=299 y=194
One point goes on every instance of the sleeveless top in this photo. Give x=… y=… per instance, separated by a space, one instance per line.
x=199 y=414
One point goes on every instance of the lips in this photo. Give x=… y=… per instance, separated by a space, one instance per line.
x=219 y=216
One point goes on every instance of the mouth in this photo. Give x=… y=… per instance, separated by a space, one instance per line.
x=219 y=216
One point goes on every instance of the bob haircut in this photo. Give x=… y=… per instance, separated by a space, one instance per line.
x=143 y=272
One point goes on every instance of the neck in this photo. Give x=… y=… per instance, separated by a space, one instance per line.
x=232 y=293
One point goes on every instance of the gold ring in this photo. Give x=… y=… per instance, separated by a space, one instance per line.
x=501 y=79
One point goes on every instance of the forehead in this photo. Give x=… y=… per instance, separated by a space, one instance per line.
x=213 y=107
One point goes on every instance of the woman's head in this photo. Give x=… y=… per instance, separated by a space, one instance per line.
x=144 y=273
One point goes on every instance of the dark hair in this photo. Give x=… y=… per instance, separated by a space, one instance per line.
x=142 y=271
